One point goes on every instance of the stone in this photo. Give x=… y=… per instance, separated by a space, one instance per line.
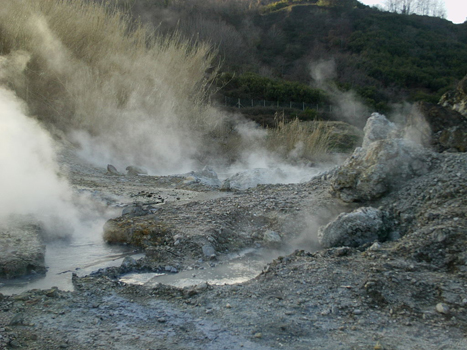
x=372 y=171
x=171 y=269
x=364 y=225
x=128 y=262
x=141 y=231
x=22 y=251
x=442 y=308
x=136 y=209
x=272 y=237
x=111 y=170
x=135 y=171
x=208 y=250
x=207 y=177
x=377 y=128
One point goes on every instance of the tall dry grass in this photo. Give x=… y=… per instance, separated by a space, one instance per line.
x=91 y=68
x=297 y=140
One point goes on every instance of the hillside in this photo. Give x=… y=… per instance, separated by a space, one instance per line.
x=384 y=57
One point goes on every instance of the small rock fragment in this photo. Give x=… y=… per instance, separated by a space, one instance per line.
x=442 y=308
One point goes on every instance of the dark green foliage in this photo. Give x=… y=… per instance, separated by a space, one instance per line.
x=384 y=57
x=254 y=86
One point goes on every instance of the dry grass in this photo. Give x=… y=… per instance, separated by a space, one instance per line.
x=91 y=65
x=311 y=141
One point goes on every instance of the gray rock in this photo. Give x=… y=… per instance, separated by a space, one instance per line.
x=128 y=262
x=207 y=177
x=171 y=269
x=135 y=209
x=22 y=250
x=272 y=237
x=208 y=250
x=111 y=170
x=442 y=308
x=364 y=225
x=134 y=171
x=377 y=128
x=375 y=169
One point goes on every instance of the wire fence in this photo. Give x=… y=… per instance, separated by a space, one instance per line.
x=250 y=103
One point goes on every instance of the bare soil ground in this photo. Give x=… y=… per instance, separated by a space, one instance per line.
x=410 y=293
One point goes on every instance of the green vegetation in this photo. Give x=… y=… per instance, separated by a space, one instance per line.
x=254 y=86
x=385 y=57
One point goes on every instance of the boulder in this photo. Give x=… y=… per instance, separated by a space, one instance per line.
x=111 y=170
x=22 y=250
x=364 y=225
x=372 y=170
x=135 y=171
x=138 y=231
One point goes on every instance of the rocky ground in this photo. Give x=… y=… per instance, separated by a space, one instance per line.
x=404 y=289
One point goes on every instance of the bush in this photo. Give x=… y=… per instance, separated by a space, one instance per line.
x=254 y=86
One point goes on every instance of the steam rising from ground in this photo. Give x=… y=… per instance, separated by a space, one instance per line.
x=347 y=105
x=29 y=180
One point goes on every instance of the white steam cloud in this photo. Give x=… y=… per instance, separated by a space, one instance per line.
x=29 y=180
x=347 y=106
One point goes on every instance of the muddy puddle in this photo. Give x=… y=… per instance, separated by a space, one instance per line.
x=237 y=268
x=81 y=256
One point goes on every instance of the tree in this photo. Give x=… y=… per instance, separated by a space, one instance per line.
x=434 y=8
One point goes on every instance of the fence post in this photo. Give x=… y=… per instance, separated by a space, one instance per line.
x=239 y=104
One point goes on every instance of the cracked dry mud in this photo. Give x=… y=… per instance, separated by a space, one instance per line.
x=410 y=293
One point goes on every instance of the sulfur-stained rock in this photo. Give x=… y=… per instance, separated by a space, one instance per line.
x=138 y=231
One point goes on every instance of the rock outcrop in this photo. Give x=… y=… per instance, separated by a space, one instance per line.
x=381 y=163
x=442 y=128
x=22 y=251
x=456 y=100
